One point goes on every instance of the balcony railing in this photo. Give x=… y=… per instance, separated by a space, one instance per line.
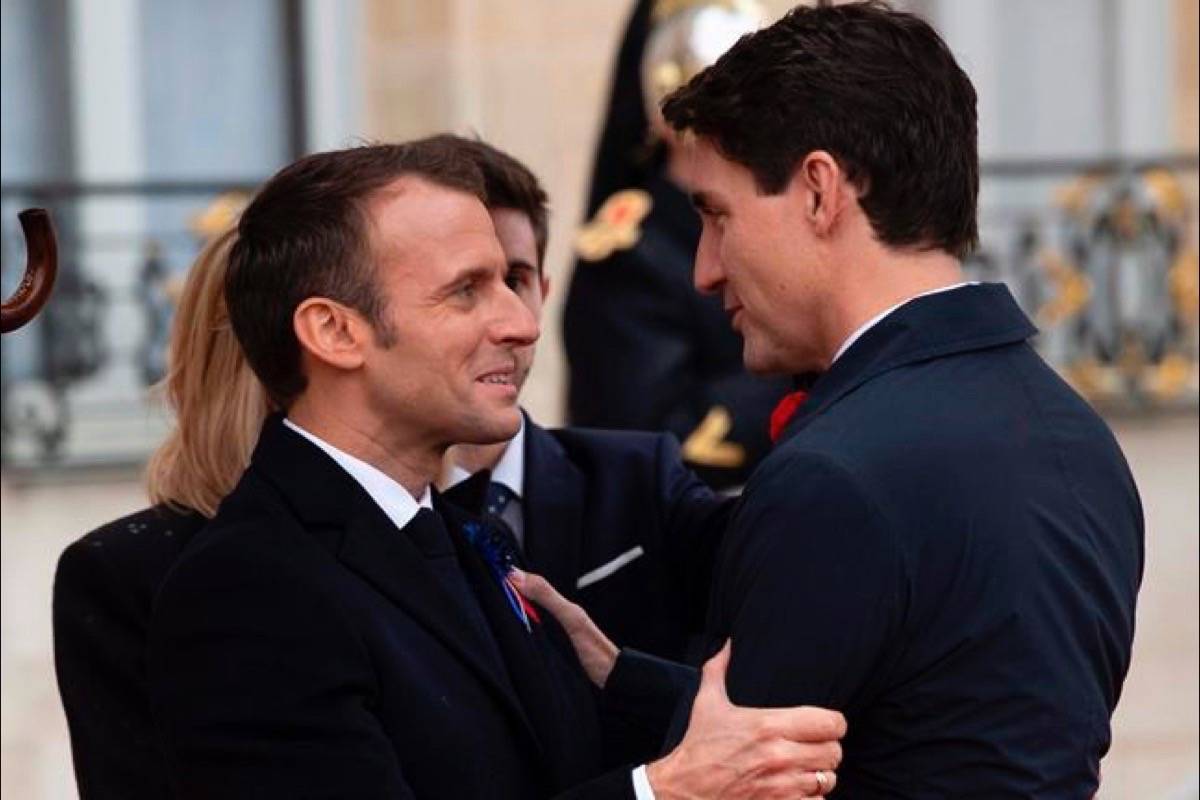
x=76 y=380
x=1100 y=253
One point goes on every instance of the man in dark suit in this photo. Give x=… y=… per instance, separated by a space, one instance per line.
x=946 y=541
x=337 y=630
x=614 y=519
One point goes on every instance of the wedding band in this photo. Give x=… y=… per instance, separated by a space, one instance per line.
x=821 y=779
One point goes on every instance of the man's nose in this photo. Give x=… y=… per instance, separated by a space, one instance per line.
x=515 y=324
x=707 y=273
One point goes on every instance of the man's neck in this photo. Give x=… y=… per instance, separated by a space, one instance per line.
x=412 y=466
x=894 y=279
x=474 y=457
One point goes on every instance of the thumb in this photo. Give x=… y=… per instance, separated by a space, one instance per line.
x=712 y=678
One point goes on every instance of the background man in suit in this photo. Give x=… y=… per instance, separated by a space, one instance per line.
x=336 y=630
x=946 y=541
x=614 y=519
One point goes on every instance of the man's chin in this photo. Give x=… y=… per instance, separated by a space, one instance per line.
x=761 y=364
x=498 y=425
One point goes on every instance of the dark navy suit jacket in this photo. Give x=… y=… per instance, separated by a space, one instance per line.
x=593 y=497
x=946 y=544
x=303 y=647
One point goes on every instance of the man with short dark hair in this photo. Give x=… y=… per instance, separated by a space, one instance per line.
x=946 y=542
x=613 y=518
x=339 y=631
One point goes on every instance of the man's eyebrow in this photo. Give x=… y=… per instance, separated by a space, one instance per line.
x=702 y=201
x=520 y=263
x=480 y=272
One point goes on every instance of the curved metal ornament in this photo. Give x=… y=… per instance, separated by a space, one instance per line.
x=41 y=268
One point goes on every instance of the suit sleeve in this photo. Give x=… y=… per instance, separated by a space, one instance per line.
x=260 y=687
x=99 y=641
x=812 y=592
x=694 y=522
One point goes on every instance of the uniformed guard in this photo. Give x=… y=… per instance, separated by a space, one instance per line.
x=645 y=350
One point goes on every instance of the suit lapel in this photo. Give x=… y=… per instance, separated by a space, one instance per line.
x=553 y=508
x=327 y=499
x=523 y=651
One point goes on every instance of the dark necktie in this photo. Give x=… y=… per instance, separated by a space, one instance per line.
x=427 y=531
x=498 y=497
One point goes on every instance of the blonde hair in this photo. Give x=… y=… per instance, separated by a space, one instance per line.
x=219 y=405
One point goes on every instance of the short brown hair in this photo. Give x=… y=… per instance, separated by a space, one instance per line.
x=306 y=234
x=876 y=88
x=509 y=184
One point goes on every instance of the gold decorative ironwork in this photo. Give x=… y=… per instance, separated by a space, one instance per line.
x=1167 y=193
x=1183 y=284
x=1170 y=377
x=1073 y=290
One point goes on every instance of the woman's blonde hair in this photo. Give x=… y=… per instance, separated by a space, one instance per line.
x=219 y=405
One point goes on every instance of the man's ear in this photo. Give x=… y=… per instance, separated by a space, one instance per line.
x=821 y=183
x=331 y=332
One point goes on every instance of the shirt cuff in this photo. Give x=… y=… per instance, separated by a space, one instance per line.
x=641 y=784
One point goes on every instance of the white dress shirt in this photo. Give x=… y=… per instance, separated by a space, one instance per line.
x=875 y=320
x=392 y=498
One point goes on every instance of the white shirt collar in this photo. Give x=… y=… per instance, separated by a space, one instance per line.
x=510 y=469
x=875 y=320
x=390 y=496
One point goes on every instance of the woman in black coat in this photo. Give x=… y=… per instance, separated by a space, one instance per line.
x=106 y=581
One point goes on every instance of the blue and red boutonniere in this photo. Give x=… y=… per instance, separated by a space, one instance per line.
x=497 y=552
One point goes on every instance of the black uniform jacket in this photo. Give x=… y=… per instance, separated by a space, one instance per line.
x=646 y=351
x=947 y=545
x=304 y=647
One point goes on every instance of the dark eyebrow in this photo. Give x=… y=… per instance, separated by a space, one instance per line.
x=702 y=202
x=469 y=275
x=521 y=263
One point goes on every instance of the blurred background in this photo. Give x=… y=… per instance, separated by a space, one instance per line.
x=142 y=124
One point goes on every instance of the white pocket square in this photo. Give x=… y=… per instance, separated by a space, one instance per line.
x=604 y=570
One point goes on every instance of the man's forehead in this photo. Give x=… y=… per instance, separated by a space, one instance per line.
x=412 y=208
x=700 y=165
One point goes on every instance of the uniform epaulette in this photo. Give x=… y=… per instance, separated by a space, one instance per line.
x=707 y=446
x=616 y=226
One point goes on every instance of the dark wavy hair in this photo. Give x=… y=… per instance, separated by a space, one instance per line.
x=876 y=88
